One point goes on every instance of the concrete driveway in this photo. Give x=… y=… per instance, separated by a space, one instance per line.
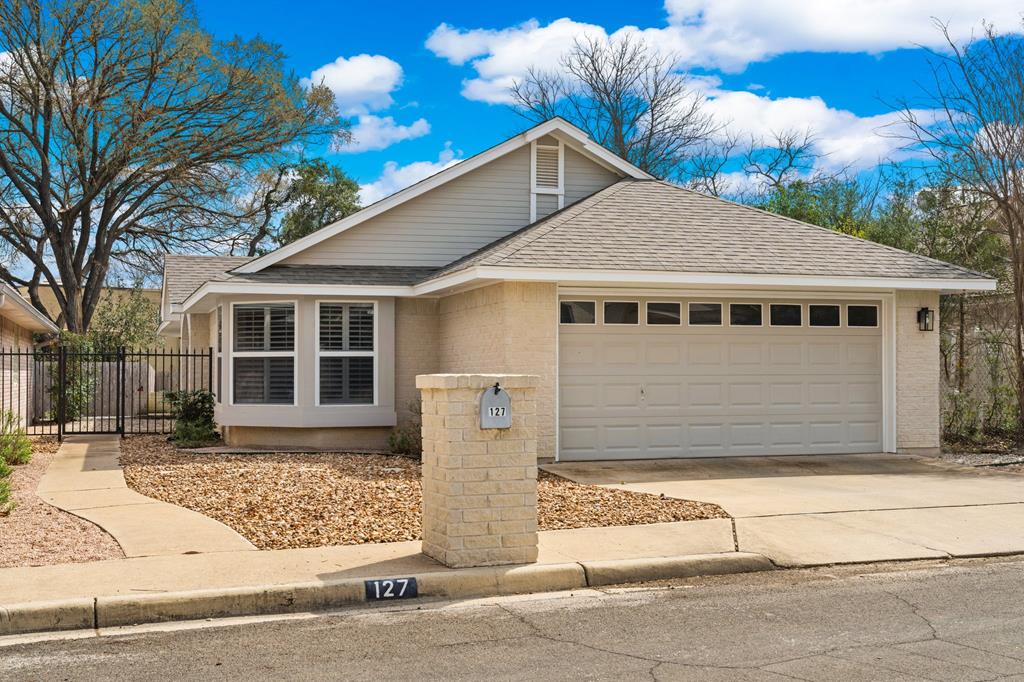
x=838 y=508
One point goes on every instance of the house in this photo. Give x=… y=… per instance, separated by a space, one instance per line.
x=19 y=323
x=662 y=322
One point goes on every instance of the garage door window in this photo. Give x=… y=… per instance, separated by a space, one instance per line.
x=786 y=314
x=577 y=312
x=664 y=313
x=862 y=316
x=745 y=314
x=705 y=314
x=621 y=312
x=823 y=315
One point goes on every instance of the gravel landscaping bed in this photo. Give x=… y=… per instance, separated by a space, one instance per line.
x=36 y=534
x=289 y=500
x=994 y=461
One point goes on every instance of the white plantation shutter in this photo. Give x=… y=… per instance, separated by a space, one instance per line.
x=547 y=167
x=346 y=353
x=263 y=365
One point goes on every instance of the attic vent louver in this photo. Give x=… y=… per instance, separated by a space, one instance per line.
x=547 y=167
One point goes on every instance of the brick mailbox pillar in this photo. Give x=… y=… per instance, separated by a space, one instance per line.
x=479 y=485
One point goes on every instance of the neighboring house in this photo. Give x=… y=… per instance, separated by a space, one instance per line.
x=19 y=322
x=662 y=322
x=49 y=300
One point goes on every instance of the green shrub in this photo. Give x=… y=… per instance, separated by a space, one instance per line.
x=193 y=413
x=407 y=438
x=5 y=497
x=5 y=469
x=79 y=378
x=15 y=447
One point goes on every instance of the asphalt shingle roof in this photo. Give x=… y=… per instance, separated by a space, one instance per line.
x=653 y=225
x=184 y=274
x=373 y=275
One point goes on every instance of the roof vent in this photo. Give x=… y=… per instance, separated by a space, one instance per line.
x=547 y=167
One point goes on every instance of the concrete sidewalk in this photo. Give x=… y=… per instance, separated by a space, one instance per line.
x=232 y=583
x=86 y=479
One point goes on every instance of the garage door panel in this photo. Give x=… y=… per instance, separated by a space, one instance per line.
x=747 y=395
x=630 y=392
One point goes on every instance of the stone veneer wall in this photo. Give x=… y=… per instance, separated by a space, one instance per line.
x=510 y=327
x=918 y=422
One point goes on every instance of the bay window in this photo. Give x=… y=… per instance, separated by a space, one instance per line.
x=263 y=354
x=346 y=353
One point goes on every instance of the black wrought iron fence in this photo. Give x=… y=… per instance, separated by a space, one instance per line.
x=56 y=390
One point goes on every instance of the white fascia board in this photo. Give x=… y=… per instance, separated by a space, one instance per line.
x=440 y=178
x=699 y=278
x=32 y=319
x=269 y=288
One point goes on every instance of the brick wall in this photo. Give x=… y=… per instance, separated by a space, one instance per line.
x=416 y=332
x=917 y=374
x=510 y=328
x=479 y=485
x=16 y=370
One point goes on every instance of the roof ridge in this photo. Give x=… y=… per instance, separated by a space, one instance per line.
x=825 y=229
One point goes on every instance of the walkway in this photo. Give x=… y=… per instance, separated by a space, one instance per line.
x=86 y=480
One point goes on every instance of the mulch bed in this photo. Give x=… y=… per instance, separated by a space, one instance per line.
x=290 y=500
x=36 y=534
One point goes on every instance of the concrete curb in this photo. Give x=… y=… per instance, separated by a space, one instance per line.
x=105 y=612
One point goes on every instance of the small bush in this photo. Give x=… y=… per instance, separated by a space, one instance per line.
x=193 y=413
x=5 y=497
x=5 y=469
x=15 y=447
x=407 y=438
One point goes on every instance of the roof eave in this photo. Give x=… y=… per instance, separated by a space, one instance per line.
x=24 y=313
x=667 y=278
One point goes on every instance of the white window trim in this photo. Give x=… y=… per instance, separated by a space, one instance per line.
x=825 y=326
x=878 y=316
x=746 y=326
x=621 y=324
x=803 y=315
x=346 y=354
x=647 y=314
x=232 y=353
x=534 y=189
x=577 y=300
x=721 y=316
x=220 y=333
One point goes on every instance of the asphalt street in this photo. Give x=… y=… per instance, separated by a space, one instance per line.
x=961 y=620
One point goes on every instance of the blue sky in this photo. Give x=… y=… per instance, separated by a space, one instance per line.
x=424 y=82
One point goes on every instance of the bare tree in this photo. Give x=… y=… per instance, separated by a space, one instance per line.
x=630 y=99
x=781 y=158
x=126 y=131
x=977 y=139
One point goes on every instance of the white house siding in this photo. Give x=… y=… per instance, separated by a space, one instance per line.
x=583 y=177
x=456 y=218
x=546 y=205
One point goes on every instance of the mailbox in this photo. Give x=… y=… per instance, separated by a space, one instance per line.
x=495 y=408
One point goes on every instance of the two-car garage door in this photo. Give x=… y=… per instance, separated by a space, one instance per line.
x=712 y=377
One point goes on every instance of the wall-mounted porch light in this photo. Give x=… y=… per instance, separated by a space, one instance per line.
x=926 y=319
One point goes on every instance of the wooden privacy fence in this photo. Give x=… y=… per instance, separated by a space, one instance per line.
x=57 y=390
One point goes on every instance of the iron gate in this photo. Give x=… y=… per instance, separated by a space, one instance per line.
x=59 y=390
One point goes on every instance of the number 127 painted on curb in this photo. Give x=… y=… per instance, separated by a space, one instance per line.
x=391 y=588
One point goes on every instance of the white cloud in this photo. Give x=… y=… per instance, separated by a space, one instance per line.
x=843 y=139
x=360 y=84
x=379 y=132
x=396 y=177
x=721 y=34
